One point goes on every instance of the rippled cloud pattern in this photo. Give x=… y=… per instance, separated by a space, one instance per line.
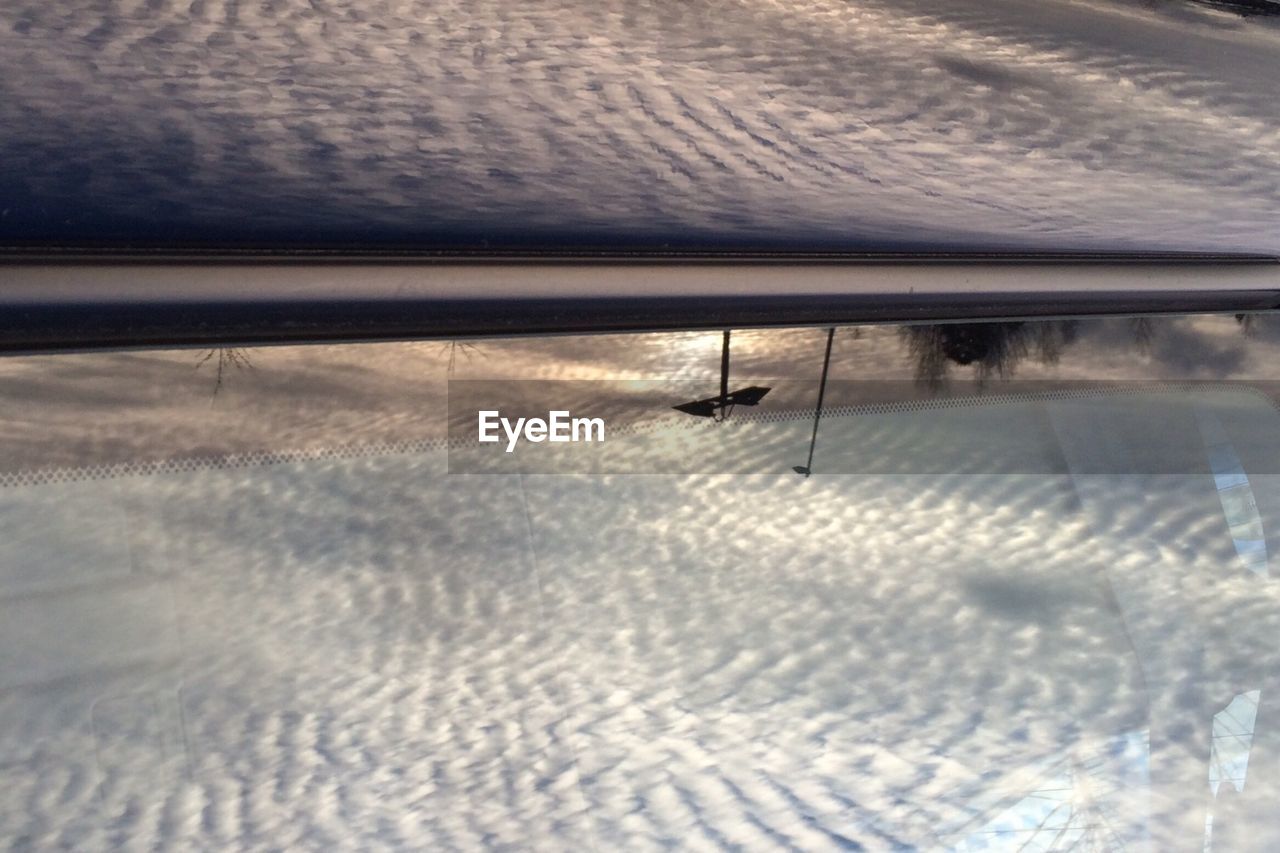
x=821 y=124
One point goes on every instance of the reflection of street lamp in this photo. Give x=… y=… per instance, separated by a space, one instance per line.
x=719 y=407
x=807 y=468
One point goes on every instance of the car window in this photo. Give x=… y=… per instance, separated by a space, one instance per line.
x=1001 y=585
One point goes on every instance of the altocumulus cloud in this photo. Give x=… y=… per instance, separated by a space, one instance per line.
x=821 y=122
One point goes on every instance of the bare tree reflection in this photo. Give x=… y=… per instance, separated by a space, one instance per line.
x=229 y=358
x=993 y=349
x=1143 y=330
x=455 y=348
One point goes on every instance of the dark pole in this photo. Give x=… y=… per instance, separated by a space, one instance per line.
x=817 y=415
x=724 y=368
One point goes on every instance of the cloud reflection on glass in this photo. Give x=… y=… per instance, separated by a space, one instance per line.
x=363 y=650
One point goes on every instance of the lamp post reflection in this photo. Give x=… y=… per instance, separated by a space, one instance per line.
x=719 y=408
x=807 y=468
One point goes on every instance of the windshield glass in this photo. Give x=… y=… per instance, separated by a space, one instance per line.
x=1003 y=585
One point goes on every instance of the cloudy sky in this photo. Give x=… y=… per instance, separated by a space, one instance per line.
x=1056 y=124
